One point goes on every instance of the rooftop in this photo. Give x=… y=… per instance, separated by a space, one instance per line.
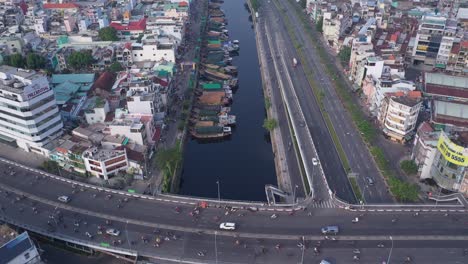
x=446 y=80
x=82 y=78
x=100 y=153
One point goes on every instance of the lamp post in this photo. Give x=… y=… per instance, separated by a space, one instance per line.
x=391 y=249
x=294 y=194
x=126 y=233
x=303 y=249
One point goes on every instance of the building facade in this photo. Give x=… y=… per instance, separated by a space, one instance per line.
x=105 y=162
x=28 y=111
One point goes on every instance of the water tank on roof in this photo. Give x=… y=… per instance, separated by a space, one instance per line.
x=18 y=85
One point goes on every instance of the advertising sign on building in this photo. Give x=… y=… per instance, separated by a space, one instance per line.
x=38 y=87
x=453 y=153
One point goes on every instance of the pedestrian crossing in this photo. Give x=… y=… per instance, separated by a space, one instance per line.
x=322 y=204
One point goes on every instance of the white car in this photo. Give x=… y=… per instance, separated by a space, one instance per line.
x=64 y=199
x=113 y=232
x=227 y=226
x=314 y=161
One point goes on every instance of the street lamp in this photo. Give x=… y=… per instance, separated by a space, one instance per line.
x=391 y=249
x=126 y=232
x=303 y=249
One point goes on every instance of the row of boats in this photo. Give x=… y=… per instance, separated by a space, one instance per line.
x=211 y=118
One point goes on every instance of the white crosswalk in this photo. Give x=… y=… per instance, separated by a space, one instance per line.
x=323 y=204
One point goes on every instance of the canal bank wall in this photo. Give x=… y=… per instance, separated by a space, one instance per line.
x=277 y=143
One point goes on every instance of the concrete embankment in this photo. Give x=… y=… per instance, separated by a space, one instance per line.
x=278 y=146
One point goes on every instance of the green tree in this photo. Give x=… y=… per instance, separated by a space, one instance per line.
x=345 y=55
x=403 y=191
x=15 y=60
x=409 y=167
x=270 y=124
x=50 y=166
x=319 y=25
x=168 y=159
x=108 y=34
x=115 y=67
x=35 y=61
x=80 y=59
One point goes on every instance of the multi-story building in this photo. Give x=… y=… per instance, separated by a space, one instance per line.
x=360 y=51
x=398 y=115
x=449 y=98
x=424 y=149
x=446 y=44
x=132 y=128
x=97 y=112
x=428 y=40
x=104 y=162
x=153 y=48
x=458 y=60
x=334 y=26
x=130 y=30
x=28 y=111
x=450 y=166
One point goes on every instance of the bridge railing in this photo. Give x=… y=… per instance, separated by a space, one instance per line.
x=85 y=243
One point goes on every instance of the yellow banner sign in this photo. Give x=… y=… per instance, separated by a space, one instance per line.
x=452 y=152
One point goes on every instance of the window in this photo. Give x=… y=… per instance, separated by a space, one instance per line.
x=27 y=256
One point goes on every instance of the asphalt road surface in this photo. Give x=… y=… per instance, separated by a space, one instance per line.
x=142 y=219
x=355 y=149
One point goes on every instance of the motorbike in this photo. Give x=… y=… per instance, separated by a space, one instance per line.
x=355 y=220
x=356 y=251
x=273 y=216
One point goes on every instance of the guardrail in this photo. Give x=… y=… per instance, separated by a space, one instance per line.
x=90 y=244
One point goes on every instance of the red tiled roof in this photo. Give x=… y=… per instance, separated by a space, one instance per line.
x=132 y=26
x=464 y=44
x=61 y=6
x=455 y=48
x=182 y=4
x=425 y=127
x=394 y=37
x=447 y=91
x=157 y=134
x=105 y=81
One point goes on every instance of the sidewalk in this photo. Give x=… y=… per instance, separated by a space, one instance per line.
x=16 y=154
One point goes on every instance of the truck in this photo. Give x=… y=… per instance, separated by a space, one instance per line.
x=294 y=62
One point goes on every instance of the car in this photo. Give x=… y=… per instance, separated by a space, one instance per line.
x=227 y=226
x=330 y=230
x=324 y=262
x=113 y=232
x=314 y=161
x=369 y=181
x=64 y=199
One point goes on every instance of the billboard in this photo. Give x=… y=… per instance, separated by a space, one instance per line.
x=452 y=152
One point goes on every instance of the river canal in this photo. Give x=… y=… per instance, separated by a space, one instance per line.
x=244 y=163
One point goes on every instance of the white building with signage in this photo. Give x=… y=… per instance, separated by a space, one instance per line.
x=450 y=166
x=103 y=162
x=29 y=115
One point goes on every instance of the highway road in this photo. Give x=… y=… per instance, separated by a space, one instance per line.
x=355 y=149
x=308 y=108
x=140 y=217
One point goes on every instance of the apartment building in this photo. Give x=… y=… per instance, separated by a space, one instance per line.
x=398 y=115
x=450 y=166
x=458 y=60
x=424 y=149
x=104 y=162
x=132 y=128
x=334 y=26
x=153 y=48
x=429 y=38
x=29 y=115
x=449 y=98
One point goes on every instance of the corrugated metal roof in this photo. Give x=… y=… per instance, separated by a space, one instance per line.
x=446 y=80
x=75 y=78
